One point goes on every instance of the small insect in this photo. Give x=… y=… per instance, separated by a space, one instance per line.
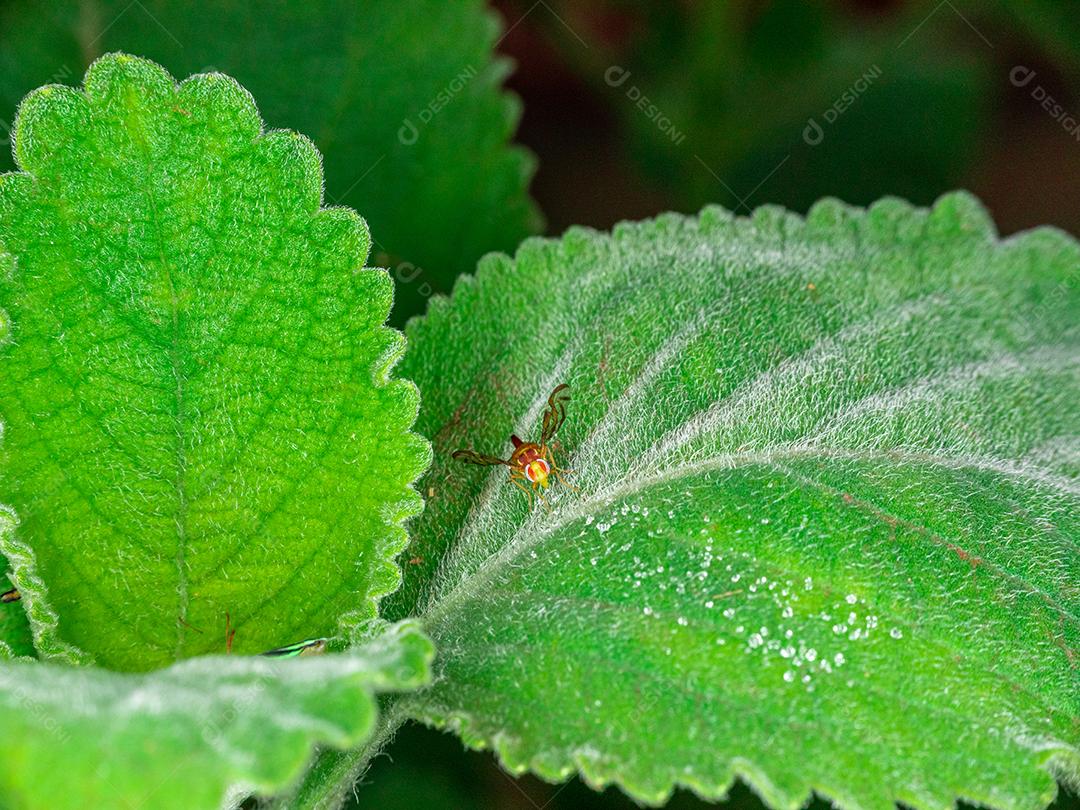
x=532 y=462
x=10 y=596
x=312 y=646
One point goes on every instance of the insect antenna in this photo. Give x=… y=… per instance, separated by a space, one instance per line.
x=555 y=414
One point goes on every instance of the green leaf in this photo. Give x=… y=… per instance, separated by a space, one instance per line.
x=184 y=736
x=15 y=636
x=733 y=93
x=200 y=418
x=827 y=532
x=349 y=75
x=1049 y=26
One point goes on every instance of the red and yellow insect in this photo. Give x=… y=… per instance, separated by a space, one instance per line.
x=532 y=462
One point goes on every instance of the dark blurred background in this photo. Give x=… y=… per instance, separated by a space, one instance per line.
x=732 y=87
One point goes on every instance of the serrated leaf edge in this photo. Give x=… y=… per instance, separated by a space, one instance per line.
x=956 y=211
x=23 y=574
x=386 y=573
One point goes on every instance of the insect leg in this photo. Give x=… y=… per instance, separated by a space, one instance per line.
x=555 y=414
x=516 y=481
x=559 y=473
x=563 y=481
x=551 y=459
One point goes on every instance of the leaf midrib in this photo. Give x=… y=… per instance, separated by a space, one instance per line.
x=533 y=531
x=142 y=142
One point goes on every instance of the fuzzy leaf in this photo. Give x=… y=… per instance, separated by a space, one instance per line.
x=353 y=77
x=15 y=636
x=184 y=736
x=826 y=538
x=199 y=416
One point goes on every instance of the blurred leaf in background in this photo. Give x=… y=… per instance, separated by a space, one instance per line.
x=676 y=105
x=1053 y=24
x=402 y=97
x=789 y=102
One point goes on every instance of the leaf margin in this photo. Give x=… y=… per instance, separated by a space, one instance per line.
x=387 y=574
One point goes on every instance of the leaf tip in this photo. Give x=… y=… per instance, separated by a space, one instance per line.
x=961 y=212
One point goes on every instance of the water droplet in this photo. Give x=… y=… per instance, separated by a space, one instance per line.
x=789 y=676
x=896 y=632
x=838 y=659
